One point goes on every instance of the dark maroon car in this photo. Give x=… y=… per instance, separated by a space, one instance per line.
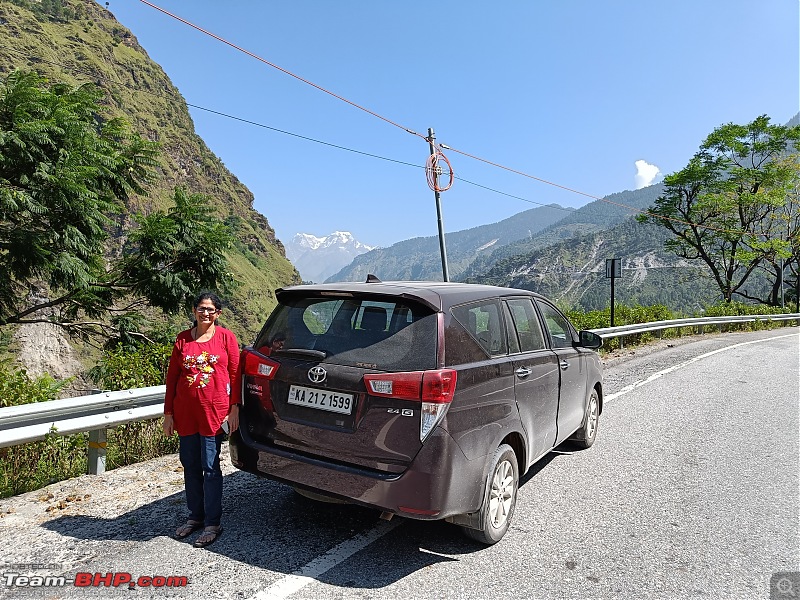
x=422 y=399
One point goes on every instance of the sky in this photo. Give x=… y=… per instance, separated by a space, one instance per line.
x=595 y=97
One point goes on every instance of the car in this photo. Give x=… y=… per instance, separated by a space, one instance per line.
x=426 y=400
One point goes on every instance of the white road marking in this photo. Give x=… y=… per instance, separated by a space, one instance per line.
x=288 y=585
x=654 y=376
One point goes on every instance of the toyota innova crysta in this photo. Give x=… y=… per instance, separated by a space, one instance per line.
x=421 y=399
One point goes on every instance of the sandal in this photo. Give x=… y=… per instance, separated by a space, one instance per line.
x=208 y=537
x=188 y=529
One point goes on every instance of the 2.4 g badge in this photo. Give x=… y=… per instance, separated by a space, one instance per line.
x=405 y=412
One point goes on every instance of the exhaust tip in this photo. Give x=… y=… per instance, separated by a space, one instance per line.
x=386 y=516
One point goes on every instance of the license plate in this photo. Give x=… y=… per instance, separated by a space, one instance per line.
x=322 y=399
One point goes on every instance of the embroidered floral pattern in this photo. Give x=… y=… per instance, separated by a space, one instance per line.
x=201 y=368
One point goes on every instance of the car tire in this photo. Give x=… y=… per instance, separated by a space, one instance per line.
x=586 y=435
x=500 y=498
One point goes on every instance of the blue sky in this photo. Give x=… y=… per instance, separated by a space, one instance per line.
x=574 y=92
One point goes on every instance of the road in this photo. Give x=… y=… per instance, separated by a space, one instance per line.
x=691 y=491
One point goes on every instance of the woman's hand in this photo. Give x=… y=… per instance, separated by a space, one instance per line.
x=169 y=425
x=233 y=419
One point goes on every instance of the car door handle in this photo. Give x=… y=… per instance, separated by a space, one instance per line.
x=523 y=372
x=564 y=365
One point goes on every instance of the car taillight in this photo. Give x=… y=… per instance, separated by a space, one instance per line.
x=407 y=386
x=438 y=386
x=433 y=389
x=257 y=365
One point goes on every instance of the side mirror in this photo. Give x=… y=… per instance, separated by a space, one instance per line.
x=590 y=340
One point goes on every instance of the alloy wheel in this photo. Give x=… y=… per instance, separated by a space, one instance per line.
x=591 y=418
x=501 y=495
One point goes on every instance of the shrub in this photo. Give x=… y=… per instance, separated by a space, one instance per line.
x=623 y=315
x=17 y=388
x=30 y=466
x=124 y=368
x=631 y=315
x=33 y=465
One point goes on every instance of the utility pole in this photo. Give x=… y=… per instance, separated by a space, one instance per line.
x=442 y=248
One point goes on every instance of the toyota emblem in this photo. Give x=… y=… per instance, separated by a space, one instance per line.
x=317 y=374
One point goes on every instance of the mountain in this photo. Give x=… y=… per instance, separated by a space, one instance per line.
x=79 y=41
x=596 y=216
x=419 y=258
x=572 y=271
x=317 y=258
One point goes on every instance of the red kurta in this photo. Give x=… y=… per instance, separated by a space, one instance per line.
x=199 y=381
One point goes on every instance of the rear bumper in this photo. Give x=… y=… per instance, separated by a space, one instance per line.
x=440 y=482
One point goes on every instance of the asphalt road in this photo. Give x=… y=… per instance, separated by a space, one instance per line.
x=692 y=490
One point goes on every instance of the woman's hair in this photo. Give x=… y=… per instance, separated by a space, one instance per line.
x=208 y=296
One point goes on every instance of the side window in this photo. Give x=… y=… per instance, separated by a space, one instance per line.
x=557 y=326
x=484 y=322
x=374 y=316
x=319 y=315
x=527 y=324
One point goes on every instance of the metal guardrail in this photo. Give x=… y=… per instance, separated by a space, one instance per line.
x=623 y=330
x=98 y=412
x=95 y=413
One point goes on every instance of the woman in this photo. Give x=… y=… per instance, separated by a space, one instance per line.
x=201 y=372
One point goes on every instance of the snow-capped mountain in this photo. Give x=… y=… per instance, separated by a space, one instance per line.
x=317 y=258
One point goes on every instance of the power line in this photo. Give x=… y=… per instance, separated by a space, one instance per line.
x=212 y=111
x=446 y=147
x=555 y=206
x=274 y=66
x=302 y=137
x=343 y=99
x=168 y=94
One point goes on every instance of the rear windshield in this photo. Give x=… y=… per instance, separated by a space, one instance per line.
x=374 y=333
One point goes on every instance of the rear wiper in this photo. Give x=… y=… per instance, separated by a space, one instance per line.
x=319 y=354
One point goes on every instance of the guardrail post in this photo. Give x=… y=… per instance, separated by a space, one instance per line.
x=98 y=440
x=97 y=451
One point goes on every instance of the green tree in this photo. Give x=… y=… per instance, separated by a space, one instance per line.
x=783 y=228
x=172 y=255
x=724 y=207
x=66 y=171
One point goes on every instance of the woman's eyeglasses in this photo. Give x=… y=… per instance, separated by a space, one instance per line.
x=206 y=309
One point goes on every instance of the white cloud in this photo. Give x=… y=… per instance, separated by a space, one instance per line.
x=645 y=173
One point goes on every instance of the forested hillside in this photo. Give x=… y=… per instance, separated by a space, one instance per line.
x=78 y=41
x=573 y=271
x=593 y=217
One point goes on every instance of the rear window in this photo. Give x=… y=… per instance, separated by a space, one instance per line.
x=375 y=333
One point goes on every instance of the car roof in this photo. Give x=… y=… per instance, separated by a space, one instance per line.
x=439 y=295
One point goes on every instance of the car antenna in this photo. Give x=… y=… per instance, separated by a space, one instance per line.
x=372 y=279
